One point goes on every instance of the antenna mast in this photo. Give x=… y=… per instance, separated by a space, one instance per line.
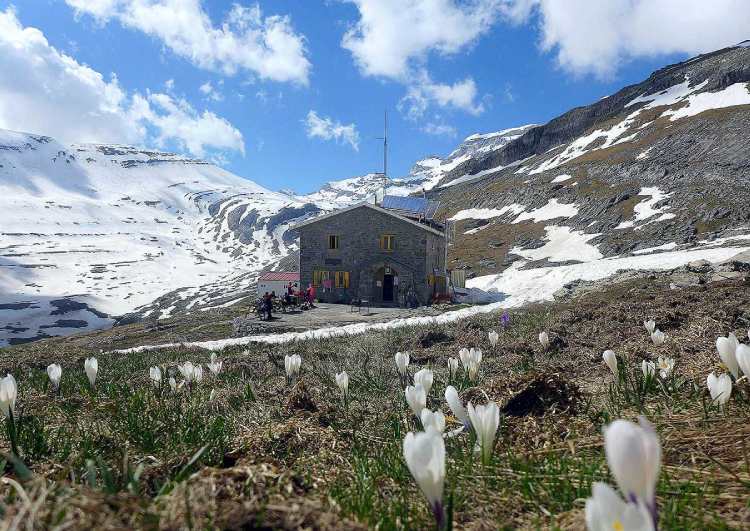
x=385 y=145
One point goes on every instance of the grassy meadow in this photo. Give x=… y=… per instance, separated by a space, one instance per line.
x=249 y=449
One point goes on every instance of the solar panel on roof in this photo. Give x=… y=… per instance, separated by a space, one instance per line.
x=417 y=206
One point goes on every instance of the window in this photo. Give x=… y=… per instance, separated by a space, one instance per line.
x=319 y=277
x=341 y=279
x=333 y=241
x=387 y=242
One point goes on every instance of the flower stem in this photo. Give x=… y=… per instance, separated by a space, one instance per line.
x=11 y=425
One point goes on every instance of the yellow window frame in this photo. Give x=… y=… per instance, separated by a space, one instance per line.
x=341 y=279
x=388 y=242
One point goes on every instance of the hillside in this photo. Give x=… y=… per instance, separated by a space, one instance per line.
x=248 y=448
x=652 y=176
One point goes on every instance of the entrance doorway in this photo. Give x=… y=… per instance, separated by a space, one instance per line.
x=387 y=288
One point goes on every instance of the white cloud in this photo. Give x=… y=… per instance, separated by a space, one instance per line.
x=461 y=95
x=596 y=37
x=328 y=129
x=175 y=120
x=439 y=129
x=211 y=92
x=393 y=39
x=246 y=40
x=51 y=93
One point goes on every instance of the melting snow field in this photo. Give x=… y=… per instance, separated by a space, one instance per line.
x=487 y=213
x=646 y=208
x=563 y=244
x=552 y=210
x=516 y=287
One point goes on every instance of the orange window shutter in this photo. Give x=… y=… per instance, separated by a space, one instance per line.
x=346 y=279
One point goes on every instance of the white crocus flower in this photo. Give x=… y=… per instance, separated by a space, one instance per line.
x=475 y=354
x=54 y=371
x=187 y=370
x=452 y=367
x=634 y=457
x=610 y=358
x=342 y=380
x=8 y=395
x=424 y=377
x=607 y=511
x=155 y=374
x=91 y=366
x=198 y=373
x=648 y=368
x=473 y=370
x=658 y=337
x=416 y=398
x=215 y=365
x=727 y=349
x=650 y=326
x=433 y=420
x=493 y=337
x=485 y=421
x=402 y=362
x=666 y=366
x=465 y=356
x=424 y=453
x=172 y=383
x=455 y=405
x=292 y=364
x=544 y=340
x=742 y=355
x=720 y=388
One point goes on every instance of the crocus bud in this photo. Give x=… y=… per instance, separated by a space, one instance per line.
x=433 y=420
x=485 y=421
x=544 y=340
x=416 y=398
x=473 y=371
x=720 y=388
x=155 y=374
x=743 y=358
x=172 y=383
x=402 y=362
x=456 y=406
x=493 y=337
x=650 y=326
x=465 y=356
x=54 y=371
x=424 y=453
x=634 y=457
x=610 y=358
x=424 y=377
x=8 y=395
x=342 y=380
x=452 y=366
x=91 y=366
x=648 y=368
x=292 y=364
x=727 y=349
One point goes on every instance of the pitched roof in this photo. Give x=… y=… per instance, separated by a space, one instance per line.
x=286 y=276
x=374 y=207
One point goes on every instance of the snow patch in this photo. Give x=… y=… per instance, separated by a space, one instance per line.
x=552 y=210
x=486 y=213
x=561 y=178
x=736 y=94
x=563 y=244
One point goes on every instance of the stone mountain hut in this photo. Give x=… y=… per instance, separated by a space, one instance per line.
x=392 y=253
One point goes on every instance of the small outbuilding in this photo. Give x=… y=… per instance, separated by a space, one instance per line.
x=389 y=254
x=276 y=281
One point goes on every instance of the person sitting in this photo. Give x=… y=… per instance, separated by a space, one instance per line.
x=268 y=306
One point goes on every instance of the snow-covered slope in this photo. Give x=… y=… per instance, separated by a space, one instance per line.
x=427 y=173
x=89 y=230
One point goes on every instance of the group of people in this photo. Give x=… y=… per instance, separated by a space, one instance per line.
x=292 y=294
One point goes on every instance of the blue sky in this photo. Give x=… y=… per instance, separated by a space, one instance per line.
x=470 y=67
